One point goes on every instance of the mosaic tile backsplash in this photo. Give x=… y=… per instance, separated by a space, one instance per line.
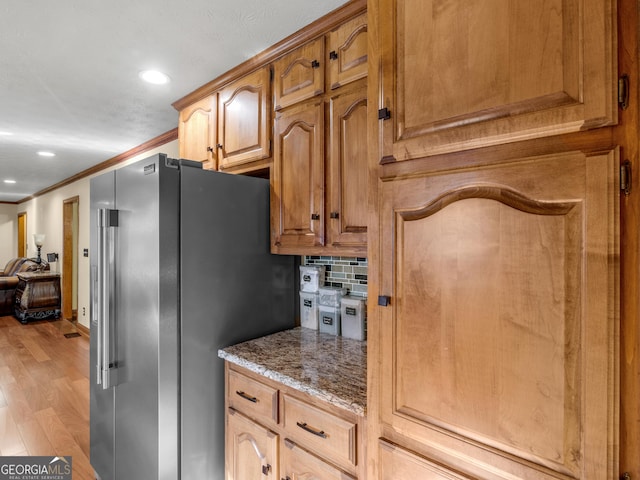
x=348 y=272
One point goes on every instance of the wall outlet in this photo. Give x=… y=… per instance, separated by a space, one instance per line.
x=84 y=311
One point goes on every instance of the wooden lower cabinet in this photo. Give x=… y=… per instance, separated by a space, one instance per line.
x=254 y=449
x=305 y=438
x=498 y=348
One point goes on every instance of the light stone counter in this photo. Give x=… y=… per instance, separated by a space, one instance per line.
x=331 y=368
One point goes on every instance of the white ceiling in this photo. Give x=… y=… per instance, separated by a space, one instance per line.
x=69 y=73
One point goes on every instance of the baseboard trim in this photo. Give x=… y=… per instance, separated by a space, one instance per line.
x=82 y=329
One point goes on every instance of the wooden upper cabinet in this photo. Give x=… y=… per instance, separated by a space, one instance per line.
x=244 y=119
x=503 y=318
x=305 y=220
x=297 y=179
x=464 y=74
x=197 y=132
x=299 y=75
x=347 y=52
x=347 y=170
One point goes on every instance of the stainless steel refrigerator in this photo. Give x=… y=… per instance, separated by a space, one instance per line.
x=180 y=267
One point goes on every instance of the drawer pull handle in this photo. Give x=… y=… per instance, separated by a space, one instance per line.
x=319 y=433
x=247 y=397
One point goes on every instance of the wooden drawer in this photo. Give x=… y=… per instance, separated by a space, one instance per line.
x=396 y=462
x=298 y=463
x=319 y=431
x=254 y=399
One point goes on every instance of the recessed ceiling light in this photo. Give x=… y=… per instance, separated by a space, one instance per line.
x=9 y=181
x=46 y=154
x=154 y=76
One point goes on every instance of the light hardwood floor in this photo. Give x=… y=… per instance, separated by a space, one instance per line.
x=44 y=392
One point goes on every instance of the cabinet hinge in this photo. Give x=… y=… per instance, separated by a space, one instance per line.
x=384 y=114
x=623 y=91
x=625 y=476
x=625 y=177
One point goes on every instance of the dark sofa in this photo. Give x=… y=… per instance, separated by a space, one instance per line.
x=9 y=280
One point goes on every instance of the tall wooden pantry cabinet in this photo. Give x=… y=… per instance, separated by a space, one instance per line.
x=500 y=241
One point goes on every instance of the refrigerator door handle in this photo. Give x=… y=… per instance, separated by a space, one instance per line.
x=106 y=266
x=95 y=312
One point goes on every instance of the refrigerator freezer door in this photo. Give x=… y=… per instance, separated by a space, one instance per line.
x=146 y=394
x=102 y=196
x=135 y=402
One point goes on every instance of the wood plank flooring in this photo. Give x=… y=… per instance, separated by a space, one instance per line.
x=44 y=392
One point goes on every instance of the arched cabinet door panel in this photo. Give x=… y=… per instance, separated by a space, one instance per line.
x=244 y=120
x=347 y=52
x=499 y=344
x=299 y=75
x=252 y=450
x=297 y=181
x=197 y=132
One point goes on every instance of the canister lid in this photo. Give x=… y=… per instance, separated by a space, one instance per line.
x=353 y=301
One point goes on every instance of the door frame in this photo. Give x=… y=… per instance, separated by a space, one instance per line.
x=22 y=234
x=70 y=257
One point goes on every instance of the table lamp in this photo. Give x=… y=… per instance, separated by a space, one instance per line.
x=38 y=239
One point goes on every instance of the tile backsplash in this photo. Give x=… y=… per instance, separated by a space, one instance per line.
x=348 y=272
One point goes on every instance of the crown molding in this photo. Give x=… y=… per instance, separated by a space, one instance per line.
x=146 y=146
x=313 y=30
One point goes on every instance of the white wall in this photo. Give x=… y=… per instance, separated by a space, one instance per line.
x=8 y=232
x=44 y=215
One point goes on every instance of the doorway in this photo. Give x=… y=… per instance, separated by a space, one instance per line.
x=22 y=234
x=70 y=258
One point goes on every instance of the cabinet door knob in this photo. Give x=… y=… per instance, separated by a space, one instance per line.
x=209 y=149
x=384 y=300
x=219 y=145
x=315 y=64
x=315 y=216
x=333 y=55
x=334 y=215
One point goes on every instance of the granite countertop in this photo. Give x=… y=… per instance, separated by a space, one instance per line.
x=329 y=367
